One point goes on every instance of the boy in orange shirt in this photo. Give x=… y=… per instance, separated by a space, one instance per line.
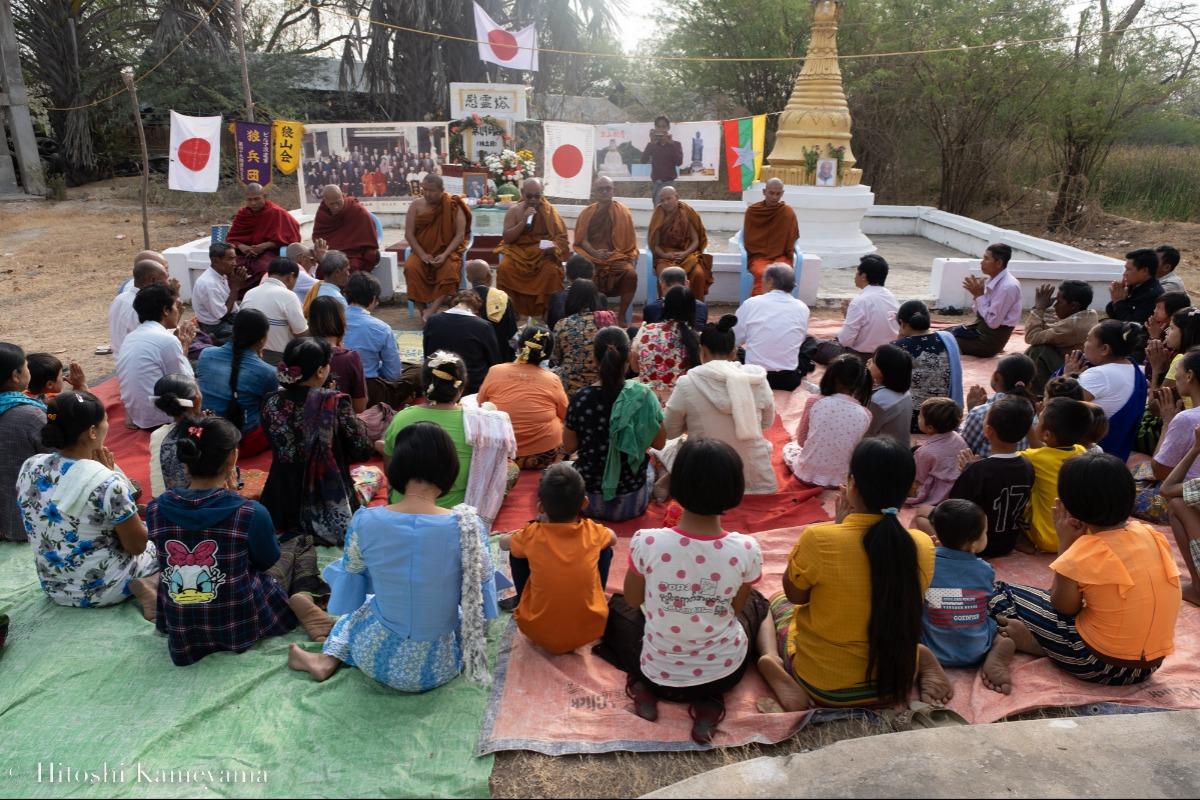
x=560 y=565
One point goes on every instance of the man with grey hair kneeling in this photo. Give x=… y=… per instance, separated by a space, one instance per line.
x=771 y=328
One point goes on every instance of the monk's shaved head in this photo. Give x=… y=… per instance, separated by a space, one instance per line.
x=256 y=196
x=531 y=184
x=774 y=183
x=331 y=190
x=150 y=255
x=434 y=180
x=332 y=198
x=668 y=198
x=531 y=192
x=604 y=189
x=148 y=272
x=602 y=182
x=479 y=272
x=432 y=188
x=254 y=188
x=773 y=192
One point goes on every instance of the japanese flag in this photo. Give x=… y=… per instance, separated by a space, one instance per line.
x=195 y=153
x=513 y=50
x=570 y=155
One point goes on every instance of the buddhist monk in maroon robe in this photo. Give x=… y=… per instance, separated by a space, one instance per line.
x=769 y=233
x=677 y=238
x=259 y=230
x=534 y=248
x=346 y=225
x=437 y=228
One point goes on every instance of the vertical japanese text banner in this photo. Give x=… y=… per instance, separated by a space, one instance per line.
x=252 y=146
x=286 y=135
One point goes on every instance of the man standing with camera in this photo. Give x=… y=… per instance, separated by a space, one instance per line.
x=663 y=154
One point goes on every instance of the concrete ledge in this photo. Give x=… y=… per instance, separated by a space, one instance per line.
x=1134 y=755
x=945 y=281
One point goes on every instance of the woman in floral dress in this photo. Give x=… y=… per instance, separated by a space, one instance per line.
x=573 y=335
x=89 y=545
x=937 y=365
x=662 y=351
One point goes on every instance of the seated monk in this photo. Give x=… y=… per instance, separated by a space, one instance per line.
x=260 y=228
x=437 y=228
x=604 y=235
x=346 y=225
x=769 y=233
x=533 y=250
x=677 y=239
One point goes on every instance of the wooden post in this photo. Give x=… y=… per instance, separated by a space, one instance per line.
x=127 y=76
x=241 y=42
x=14 y=104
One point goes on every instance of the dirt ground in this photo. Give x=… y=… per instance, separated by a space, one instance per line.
x=61 y=263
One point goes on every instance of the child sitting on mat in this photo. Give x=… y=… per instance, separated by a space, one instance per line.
x=560 y=565
x=1183 y=497
x=693 y=582
x=1013 y=375
x=999 y=484
x=956 y=625
x=46 y=376
x=1109 y=614
x=937 y=459
x=1062 y=427
x=832 y=425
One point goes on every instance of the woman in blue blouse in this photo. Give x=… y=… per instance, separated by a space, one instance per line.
x=429 y=571
x=234 y=379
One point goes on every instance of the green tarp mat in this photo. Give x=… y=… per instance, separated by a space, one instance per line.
x=91 y=696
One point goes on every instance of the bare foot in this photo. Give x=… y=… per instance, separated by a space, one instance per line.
x=146 y=592
x=318 y=665
x=1191 y=593
x=1019 y=633
x=792 y=696
x=317 y=624
x=1023 y=545
x=768 y=705
x=995 y=670
x=932 y=683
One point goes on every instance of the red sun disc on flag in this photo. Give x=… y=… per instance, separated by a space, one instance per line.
x=567 y=161
x=194 y=153
x=503 y=43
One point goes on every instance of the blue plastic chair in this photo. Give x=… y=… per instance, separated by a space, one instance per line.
x=462 y=284
x=747 y=282
x=378 y=228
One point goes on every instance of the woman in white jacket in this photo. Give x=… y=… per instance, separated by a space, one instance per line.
x=726 y=400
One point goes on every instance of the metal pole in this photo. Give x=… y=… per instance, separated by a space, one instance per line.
x=241 y=42
x=127 y=76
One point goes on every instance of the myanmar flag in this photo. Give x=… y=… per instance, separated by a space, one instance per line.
x=745 y=140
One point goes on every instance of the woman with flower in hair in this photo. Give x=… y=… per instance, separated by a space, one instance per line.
x=533 y=398
x=315 y=437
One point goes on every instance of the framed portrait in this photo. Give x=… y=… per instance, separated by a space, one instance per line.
x=475 y=184
x=827 y=173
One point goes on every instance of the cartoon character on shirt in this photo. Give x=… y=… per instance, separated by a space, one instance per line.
x=192 y=576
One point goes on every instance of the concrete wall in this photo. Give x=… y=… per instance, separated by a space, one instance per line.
x=945 y=281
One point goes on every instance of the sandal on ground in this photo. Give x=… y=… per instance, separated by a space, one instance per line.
x=924 y=715
x=645 y=704
x=706 y=716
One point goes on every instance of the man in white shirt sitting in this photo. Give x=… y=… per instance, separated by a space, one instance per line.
x=772 y=326
x=122 y=319
x=152 y=352
x=307 y=259
x=275 y=298
x=215 y=292
x=870 y=317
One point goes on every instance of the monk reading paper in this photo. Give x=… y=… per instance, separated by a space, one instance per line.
x=605 y=236
x=346 y=225
x=677 y=239
x=437 y=228
x=260 y=228
x=533 y=250
x=769 y=233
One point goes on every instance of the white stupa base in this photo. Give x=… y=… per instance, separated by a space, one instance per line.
x=830 y=220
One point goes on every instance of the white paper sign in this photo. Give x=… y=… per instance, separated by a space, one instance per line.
x=500 y=100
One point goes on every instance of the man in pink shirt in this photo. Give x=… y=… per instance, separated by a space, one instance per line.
x=870 y=317
x=997 y=305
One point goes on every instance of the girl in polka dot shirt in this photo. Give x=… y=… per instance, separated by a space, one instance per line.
x=693 y=583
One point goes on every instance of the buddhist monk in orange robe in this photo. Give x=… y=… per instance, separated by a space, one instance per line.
x=346 y=225
x=677 y=239
x=437 y=228
x=260 y=229
x=769 y=233
x=533 y=250
x=604 y=235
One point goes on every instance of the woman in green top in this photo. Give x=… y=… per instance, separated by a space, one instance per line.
x=444 y=378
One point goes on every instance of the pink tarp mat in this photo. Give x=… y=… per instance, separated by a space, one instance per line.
x=576 y=703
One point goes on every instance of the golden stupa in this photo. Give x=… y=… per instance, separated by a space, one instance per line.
x=817 y=117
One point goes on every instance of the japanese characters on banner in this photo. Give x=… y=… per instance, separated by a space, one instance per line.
x=486 y=139
x=501 y=100
x=285 y=134
x=619 y=150
x=252 y=151
x=380 y=163
x=195 y=158
x=569 y=157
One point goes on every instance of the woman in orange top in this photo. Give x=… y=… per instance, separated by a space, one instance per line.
x=1109 y=616
x=532 y=397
